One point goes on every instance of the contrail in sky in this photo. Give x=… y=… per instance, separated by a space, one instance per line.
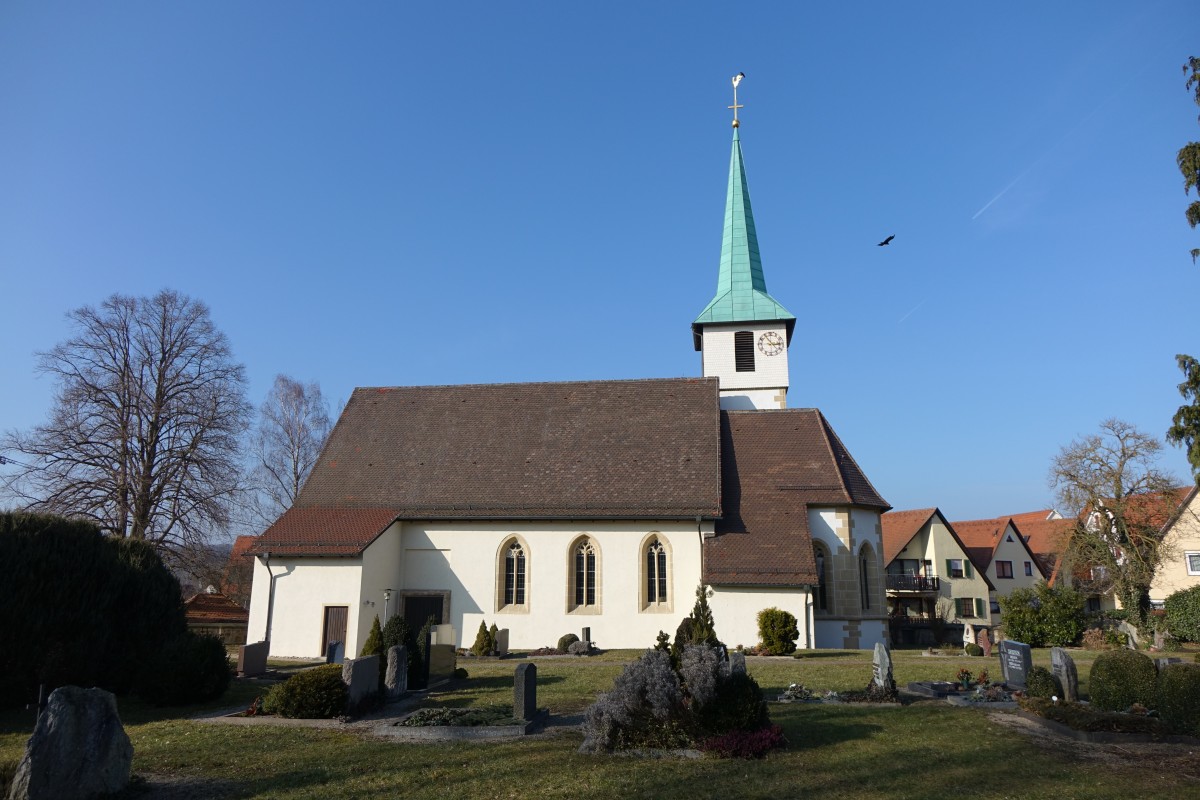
x=918 y=305
x=1002 y=191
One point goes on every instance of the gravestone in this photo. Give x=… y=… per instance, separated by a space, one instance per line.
x=252 y=659
x=395 y=682
x=79 y=749
x=737 y=663
x=1163 y=663
x=502 y=642
x=525 y=692
x=1016 y=659
x=335 y=652
x=968 y=634
x=361 y=676
x=882 y=668
x=983 y=639
x=1131 y=634
x=1063 y=667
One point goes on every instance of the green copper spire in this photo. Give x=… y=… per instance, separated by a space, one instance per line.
x=741 y=288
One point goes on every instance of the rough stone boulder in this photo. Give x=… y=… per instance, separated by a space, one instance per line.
x=78 y=749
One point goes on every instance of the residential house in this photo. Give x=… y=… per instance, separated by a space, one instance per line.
x=1001 y=553
x=1180 y=566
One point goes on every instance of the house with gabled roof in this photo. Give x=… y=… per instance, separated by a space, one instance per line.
x=547 y=508
x=998 y=549
x=930 y=575
x=1179 y=568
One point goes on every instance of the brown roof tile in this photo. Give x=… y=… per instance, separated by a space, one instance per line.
x=213 y=608
x=775 y=464
x=600 y=449
x=323 y=532
x=899 y=527
x=980 y=537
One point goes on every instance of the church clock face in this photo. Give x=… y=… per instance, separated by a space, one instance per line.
x=770 y=343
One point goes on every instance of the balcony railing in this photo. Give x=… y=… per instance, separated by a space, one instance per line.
x=913 y=583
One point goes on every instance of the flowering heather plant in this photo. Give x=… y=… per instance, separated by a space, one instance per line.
x=745 y=744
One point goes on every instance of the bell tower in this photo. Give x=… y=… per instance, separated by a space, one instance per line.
x=743 y=334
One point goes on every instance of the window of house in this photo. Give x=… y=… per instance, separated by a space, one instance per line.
x=1004 y=569
x=955 y=567
x=656 y=573
x=743 y=351
x=1193 y=563
x=1028 y=569
x=514 y=575
x=964 y=607
x=822 y=600
x=584 y=574
x=995 y=606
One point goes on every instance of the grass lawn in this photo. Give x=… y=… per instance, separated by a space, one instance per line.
x=927 y=749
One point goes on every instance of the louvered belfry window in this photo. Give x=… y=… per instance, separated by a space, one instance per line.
x=743 y=351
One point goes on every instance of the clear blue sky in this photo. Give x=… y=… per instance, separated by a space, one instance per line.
x=383 y=194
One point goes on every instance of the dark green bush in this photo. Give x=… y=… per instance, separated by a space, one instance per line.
x=483 y=641
x=737 y=706
x=373 y=646
x=1041 y=682
x=1044 y=616
x=1183 y=614
x=397 y=632
x=189 y=669
x=418 y=664
x=316 y=693
x=973 y=649
x=78 y=607
x=1179 y=698
x=566 y=640
x=778 y=632
x=1120 y=678
x=1086 y=718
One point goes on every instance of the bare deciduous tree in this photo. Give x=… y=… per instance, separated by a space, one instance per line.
x=292 y=428
x=144 y=433
x=1121 y=502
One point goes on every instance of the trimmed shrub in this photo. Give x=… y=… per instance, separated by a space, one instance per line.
x=1183 y=614
x=397 y=632
x=316 y=693
x=566 y=640
x=418 y=663
x=1120 y=678
x=494 y=639
x=972 y=649
x=79 y=607
x=737 y=705
x=643 y=709
x=1041 y=682
x=1179 y=698
x=483 y=641
x=189 y=669
x=1044 y=616
x=373 y=646
x=699 y=671
x=778 y=631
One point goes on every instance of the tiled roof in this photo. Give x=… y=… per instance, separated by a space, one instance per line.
x=775 y=464
x=1047 y=538
x=899 y=527
x=597 y=449
x=980 y=537
x=214 y=608
x=324 y=532
x=1032 y=516
x=242 y=546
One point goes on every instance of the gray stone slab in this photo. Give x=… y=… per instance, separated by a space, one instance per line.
x=252 y=659
x=1016 y=659
x=395 y=682
x=442 y=663
x=361 y=676
x=525 y=692
x=737 y=663
x=335 y=653
x=79 y=749
x=502 y=641
x=882 y=667
x=1063 y=667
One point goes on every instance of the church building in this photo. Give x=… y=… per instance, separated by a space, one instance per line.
x=549 y=507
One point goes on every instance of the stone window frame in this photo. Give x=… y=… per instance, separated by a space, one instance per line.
x=1188 y=562
x=660 y=605
x=598 y=581
x=502 y=606
x=823 y=563
x=1003 y=567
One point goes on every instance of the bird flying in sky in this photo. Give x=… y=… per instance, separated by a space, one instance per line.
x=886 y=241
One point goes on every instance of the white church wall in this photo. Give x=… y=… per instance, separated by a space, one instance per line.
x=463 y=558
x=379 y=570
x=717 y=358
x=735 y=612
x=303 y=590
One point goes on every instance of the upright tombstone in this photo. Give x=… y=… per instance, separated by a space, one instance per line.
x=525 y=692
x=361 y=676
x=395 y=682
x=1063 y=667
x=587 y=636
x=502 y=642
x=79 y=749
x=1016 y=659
x=335 y=652
x=737 y=663
x=984 y=640
x=252 y=659
x=882 y=668
x=968 y=634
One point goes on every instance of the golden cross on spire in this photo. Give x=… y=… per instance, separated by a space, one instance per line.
x=736 y=80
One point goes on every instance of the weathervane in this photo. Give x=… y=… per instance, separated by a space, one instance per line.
x=736 y=80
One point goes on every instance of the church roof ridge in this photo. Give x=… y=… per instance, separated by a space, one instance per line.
x=741 y=294
x=685 y=379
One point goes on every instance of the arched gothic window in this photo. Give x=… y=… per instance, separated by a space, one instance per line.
x=584 y=582
x=656 y=573
x=822 y=599
x=514 y=575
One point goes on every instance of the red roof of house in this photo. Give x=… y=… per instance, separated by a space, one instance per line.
x=980 y=537
x=1031 y=516
x=214 y=608
x=899 y=527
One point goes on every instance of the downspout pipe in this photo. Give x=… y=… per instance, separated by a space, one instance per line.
x=266 y=557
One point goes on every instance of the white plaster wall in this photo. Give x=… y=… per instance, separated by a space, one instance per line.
x=1015 y=552
x=935 y=543
x=735 y=612
x=751 y=399
x=462 y=558
x=1184 y=537
x=303 y=588
x=380 y=572
x=717 y=358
